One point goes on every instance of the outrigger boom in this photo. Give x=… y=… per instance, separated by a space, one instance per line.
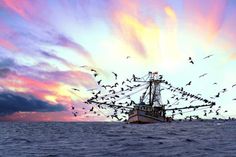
x=150 y=109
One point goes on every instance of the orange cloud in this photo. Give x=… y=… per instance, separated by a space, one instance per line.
x=139 y=34
x=170 y=13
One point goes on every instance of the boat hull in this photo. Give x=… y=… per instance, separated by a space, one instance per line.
x=140 y=118
x=144 y=120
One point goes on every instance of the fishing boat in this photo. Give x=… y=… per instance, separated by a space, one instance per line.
x=153 y=111
x=150 y=108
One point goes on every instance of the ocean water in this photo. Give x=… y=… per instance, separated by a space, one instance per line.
x=211 y=138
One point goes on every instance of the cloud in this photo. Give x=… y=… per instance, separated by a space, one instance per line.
x=66 y=42
x=7 y=45
x=6 y=62
x=4 y=72
x=26 y=9
x=55 y=57
x=15 y=102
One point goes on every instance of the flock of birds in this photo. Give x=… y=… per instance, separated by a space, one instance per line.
x=116 y=98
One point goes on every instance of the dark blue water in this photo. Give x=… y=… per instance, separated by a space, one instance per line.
x=118 y=139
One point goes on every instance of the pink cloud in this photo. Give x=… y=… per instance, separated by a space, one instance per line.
x=66 y=42
x=20 y=7
x=7 y=45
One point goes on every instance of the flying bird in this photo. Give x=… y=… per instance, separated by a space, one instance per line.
x=215 y=83
x=99 y=82
x=91 y=109
x=95 y=74
x=224 y=90
x=105 y=87
x=168 y=102
x=190 y=60
x=207 y=57
x=203 y=75
x=75 y=114
x=83 y=66
x=233 y=85
x=218 y=95
x=115 y=75
x=127 y=57
x=188 y=84
x=93 y=70
x=75 y=89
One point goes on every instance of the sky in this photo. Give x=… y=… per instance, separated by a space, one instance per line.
x=45 y=44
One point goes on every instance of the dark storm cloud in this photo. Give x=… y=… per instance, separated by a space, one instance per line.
x=4 y=72
x=15 y=102
x=5 y=65
x=6 y=62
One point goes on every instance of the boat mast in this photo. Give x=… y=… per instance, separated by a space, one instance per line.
x=150 y=89
x=154 y=89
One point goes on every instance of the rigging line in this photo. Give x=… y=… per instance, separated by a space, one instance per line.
x=175 y=103
x=76 y=95
x=143 y=77
x=124 y=90
x=94 y=106
x=188 y=95
x=117 y=93
x=188 y=107
x=110 y=105
x=190 y=111
x=144 y=96
x=131 y=94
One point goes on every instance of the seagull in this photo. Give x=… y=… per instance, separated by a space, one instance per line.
x=203 y=75
x=75 y=114
x=207 y=57
x=215 y=83
x=93 y=70
x=75 y=89
x=91 y=109
x=134 y=77
x=218 y=95
x=83 y=66
x=190 y=60
x=104 y=86
x=115 y=75
x=99 y=82
x=224 y=90
x=128 y=80
x=95 y=74
x=234 y=85
x=127 y=57
x=188 y=84
x=234 y=99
